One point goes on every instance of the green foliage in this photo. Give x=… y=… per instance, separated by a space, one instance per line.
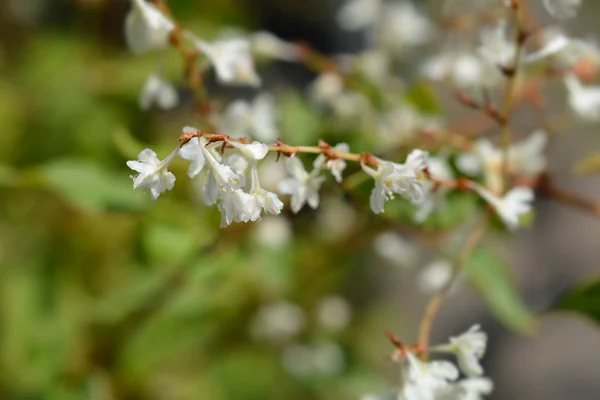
x=492 y=279
x=583 y=299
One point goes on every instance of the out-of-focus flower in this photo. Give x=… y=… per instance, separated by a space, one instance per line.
x=403 y=27
x=435 y=275
x=358 y=14
x=334 y=313
x=467 y=389
x=439 y=168
x=511 y=206
x=278 y=322
x=231 y=59
x=256 y=119
x=273 y=232
x=496 y=48
x=392 y=178
x=302 y=186
x=265 y=44
x=469 y=348
x=395 y=249
x=146 y=28
x=321 y=359
x=583 y=100
x=326 y=88
x=562 y=9
x=160 y=92
x=153 y=173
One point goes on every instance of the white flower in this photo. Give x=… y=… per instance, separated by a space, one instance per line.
x=393 y=178
x=231 y=59
x=355 y=15
x=496 y=48
x=237 y=206
x=395 y=249
x=467 y=389
x=438 y=168
x=554 y=42
x=221 y=179
x=153 y=173
x=252 y=152
x=146 y=28
x=264 y=199
x=435 y=275
x=336 y=166
x=515 y=203
x=334 y=313
x=160 y=92
x=273 y=232
x=256 y=119
x=583 y=100
x=268 y=45
x=527 y=157
x=302 y=186
x=192 y=151
x=403 y=25
x=562 y=9
x=326 y=88
x=424 y=379
x=278 y=321
x=469 y=348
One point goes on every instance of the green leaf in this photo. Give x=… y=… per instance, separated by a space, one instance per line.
x=421 y=97
x=299 y=122
x=583 y=299
x=90 y=188
x=492 y=279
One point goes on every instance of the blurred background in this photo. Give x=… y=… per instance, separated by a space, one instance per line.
x=105 y=294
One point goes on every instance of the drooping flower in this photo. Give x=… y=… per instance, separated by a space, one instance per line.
x=424 y=379
x=336 y=166
x=221 y=178
x=511 y=206
x=192 y=152
x=266 y=44
x=392 y=178
x=469 y=348
x=146 y=28
x=158 y=91
x=153 y=173
x=562 y=9
x=583 y=100
x=264 y=199
x=231 y=59
x=433 y=197
x=302 y=186
x=237 y=206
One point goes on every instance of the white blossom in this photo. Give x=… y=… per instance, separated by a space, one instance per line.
x=326 y=88
x=255 y=119
x=146 y=28
x=424 y=379
x=231 y=59
x=192 y=152
x=467 y=389
x=392 y=178
x=158 y=91
x=583 y=100
x=273 y=232
x=433 y=197
x=554 y=42
x=337 y=165
x=221 y=179
x=435 y=275
x=395 y=249
x=469 y=348
x=302 y=186
x=358 y=14
x=334 y=313
x=562 y=9
x=404 y=26
x=237 y=206
x=264 y=199
x=268 y=45
x=252 y=152
x=511 y=206
x=496 y=48
x=153 y=173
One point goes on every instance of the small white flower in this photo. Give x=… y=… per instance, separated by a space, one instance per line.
x=153 y=173
x=256 y=119
x=264 y=199
x=395 y=249
x=515 y=203
x=562 y=9
x=231 y=59
x=527 y=157
x=146 y=28
x=404 y=26
x=336 y=166
x=268 y=45
x=469 y=348
x=252 y=152
x=355 y=15
x=192 y=152
x=396 y=178
x=583 y=100
x=438 y=168
x=554 y=43
x=334 y=313
x=158 y=91
x=302 y=186
x=424 y=379
x=467 y=389
x=220 y=179
x=237 y=206
x=435 y=275
x=496 y=48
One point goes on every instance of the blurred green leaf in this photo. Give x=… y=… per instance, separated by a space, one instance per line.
x=421 y=97
x=583 y=299
x=300 y=123
x=90 y=188
x=491 y=277
x=169 y=243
